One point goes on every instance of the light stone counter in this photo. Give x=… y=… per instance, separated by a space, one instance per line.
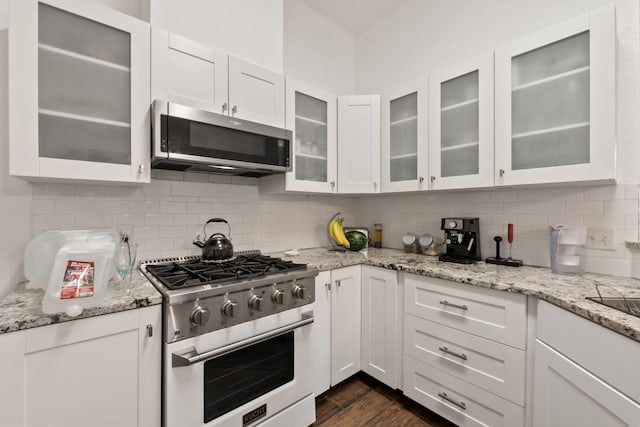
x=22 y=308
x=566 y=291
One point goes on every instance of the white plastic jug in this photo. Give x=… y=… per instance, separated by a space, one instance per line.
x=40 y=253
x=81 y=271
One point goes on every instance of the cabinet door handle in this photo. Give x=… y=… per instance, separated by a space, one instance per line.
x=141 y=168
x=234 y=110
x=149 y=330
x=501 y=172
x=375 y=186
x=453 y=353
x=450 y=304
x=338 y=283
x=433 y=178
x=328 y=286
x=333 y=183
x=225 y=107
x=421 y=179
x=460 y=404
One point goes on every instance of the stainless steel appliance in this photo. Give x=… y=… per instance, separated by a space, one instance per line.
x=188 y=139
x=462 y=238
x=237 y=339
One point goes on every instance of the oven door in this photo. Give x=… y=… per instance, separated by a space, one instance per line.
x=243 y=375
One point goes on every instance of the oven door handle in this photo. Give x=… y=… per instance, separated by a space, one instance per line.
x=191 y=356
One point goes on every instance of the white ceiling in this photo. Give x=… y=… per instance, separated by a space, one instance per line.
x=353 y=15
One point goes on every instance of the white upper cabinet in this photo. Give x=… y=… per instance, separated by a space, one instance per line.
x=188 y=73
x=461 y=125
x=404 y=140
x=556 y=103
x=311 y=115
x=359 y=144
x=200 y=76
x=78 y=92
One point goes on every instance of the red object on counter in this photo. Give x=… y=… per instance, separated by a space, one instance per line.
x=510 y=233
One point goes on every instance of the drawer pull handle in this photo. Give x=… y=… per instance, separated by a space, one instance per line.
x=453 y=353
x=461 y=307
x=461 y=405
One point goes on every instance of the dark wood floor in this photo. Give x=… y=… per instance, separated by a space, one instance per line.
x=364 y=401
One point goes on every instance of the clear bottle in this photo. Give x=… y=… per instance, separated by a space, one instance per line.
x=377 y=235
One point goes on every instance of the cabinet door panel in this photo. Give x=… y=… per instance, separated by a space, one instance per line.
x=380 y=330
x=460 y=125
x=79 y=92
x=359 y=144
x=404 y=139
x=72 y=384
x=256 y=93
x=321 y=341
x=566 y=394
x=345 y=323
x=311 y=115
x=555 y=103
x=188 y=73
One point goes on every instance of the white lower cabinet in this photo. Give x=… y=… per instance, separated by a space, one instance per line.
x=321 y=341
x=380 y=331
x=457 y=400
x=100 y=371
x=584 y=374
x=464 y=351
x=345 y=322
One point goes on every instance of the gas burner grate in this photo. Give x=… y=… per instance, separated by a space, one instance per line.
x=193 y=272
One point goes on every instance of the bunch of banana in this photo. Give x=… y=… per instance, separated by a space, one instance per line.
x=337 y=233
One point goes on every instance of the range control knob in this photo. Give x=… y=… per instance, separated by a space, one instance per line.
x=229 y=308
x=255 y=303
x=299 y=292
x=200 y=316
x=453 y=224
x=278 y=296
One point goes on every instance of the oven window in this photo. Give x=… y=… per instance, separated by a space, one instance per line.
x=236 y=378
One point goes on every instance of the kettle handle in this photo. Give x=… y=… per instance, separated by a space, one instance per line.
x=216 y=220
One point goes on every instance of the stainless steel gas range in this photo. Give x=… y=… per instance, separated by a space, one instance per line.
x=237 y=339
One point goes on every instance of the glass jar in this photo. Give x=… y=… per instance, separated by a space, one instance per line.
x=377 y=235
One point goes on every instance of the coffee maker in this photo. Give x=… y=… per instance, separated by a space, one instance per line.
x=462 y=236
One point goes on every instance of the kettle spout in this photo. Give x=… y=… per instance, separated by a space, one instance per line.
x=199 y=243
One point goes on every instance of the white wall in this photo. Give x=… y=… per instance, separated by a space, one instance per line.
x=318 y=51
x=248 y=29
x=15 y=197
x=425 y=35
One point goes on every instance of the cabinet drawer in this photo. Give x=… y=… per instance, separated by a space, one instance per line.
x=592 y=346
x=498 y=316
x=495 y=367
x=458 y=401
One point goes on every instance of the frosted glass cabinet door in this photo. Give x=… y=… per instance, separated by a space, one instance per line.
x=79 y=81
x=311 y=115
x=555 y=121
x=404 y=139
x=461 y=125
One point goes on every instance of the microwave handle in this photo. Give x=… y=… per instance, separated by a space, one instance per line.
x=191 y=356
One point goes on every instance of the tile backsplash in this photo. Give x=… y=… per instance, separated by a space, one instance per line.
x=167 y=215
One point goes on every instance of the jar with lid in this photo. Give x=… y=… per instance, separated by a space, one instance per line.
x=410 y=243
x=377 y=235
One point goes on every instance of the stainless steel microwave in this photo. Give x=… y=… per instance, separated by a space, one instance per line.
x=193 y=140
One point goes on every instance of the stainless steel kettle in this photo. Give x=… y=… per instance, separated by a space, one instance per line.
x=217 y=247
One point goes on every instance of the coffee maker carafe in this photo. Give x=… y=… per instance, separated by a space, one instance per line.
x=462 y=237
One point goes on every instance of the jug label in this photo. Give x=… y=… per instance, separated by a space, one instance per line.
x=78 y=280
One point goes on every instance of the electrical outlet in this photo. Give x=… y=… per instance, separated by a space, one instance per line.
x=125 y=230
x=600 y=238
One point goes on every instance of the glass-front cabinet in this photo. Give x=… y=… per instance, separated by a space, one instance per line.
x=461 y=125
x=311 y=115
x=555 y=103
x=404 y=140
x=79 y=92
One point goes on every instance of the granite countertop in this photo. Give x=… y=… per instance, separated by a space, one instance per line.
x=22 y=308
x=566 y=291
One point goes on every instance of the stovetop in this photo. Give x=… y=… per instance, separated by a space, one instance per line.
x=193 y=271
